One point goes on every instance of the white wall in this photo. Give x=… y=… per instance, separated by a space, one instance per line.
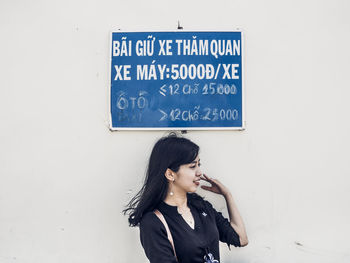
x=65 y=177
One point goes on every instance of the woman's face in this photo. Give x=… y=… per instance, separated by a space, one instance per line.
x=188 y=176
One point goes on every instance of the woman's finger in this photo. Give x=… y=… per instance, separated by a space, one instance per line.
x=206 y=187
x=207 y=177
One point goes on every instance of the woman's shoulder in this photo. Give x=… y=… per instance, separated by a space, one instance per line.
x=150 y=221
x=199 y=202
x=148 y=218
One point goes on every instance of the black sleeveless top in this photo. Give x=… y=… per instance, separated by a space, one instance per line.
x=191 y=245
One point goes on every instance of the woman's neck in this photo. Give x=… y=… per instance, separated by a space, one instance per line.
x=179 y=200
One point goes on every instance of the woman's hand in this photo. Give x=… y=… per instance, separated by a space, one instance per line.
x=216 y=186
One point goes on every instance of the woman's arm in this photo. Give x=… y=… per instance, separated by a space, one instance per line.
x=235 y=217
x=154 y=240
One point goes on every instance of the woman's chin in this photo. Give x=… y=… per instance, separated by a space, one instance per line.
x=193 y=190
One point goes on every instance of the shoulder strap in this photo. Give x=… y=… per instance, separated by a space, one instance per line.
x=170 y=237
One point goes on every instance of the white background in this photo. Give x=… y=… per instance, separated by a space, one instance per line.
x=65 y=177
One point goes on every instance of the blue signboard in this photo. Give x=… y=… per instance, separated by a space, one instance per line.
x=176 y=80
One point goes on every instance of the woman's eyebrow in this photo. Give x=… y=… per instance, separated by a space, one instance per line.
x=196 y=161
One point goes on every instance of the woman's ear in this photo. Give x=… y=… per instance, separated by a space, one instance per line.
x=169 y=174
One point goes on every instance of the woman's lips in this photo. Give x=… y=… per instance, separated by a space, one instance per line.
x=196 y=182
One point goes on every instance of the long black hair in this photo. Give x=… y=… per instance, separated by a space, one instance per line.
x=170 y=152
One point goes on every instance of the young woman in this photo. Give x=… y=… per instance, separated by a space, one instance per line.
x=172 y=177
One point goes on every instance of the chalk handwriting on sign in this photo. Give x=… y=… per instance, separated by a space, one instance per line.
x=176 y=80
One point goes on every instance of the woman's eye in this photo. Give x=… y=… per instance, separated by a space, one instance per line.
x=195 y=166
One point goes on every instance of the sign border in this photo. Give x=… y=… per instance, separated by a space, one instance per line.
x=241 y=128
